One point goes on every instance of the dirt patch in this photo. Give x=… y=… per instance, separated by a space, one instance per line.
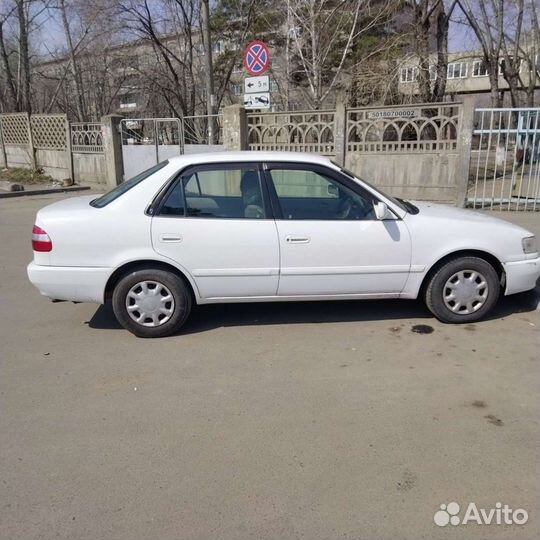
x=408 y=481
x=479 y=403
x=422 y=329
x=492 y=419
x=25 y=176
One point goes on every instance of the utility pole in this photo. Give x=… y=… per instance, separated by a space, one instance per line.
x=205 y=16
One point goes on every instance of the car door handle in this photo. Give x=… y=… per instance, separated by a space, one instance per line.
x=297 y=239
x=170 y=238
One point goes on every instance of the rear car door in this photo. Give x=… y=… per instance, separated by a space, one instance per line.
x=214 y=221
x=331 y=242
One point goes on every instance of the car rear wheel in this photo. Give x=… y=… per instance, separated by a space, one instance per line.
x=463 y=290
x=151 y=303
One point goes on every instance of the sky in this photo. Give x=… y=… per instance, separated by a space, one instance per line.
x=50 y=37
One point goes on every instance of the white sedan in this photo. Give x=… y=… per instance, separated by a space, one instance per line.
x=264 y=227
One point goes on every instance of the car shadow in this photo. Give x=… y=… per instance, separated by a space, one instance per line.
x=212 y=316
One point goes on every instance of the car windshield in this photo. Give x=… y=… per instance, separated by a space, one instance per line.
x=403 y=204
x=119 y=190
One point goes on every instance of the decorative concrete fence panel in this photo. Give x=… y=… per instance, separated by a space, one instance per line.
x=410 y=152
x=87 y=152
x=298 y=131
x=16 y=140
x=51 y=145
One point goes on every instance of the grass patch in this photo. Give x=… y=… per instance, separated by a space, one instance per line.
x=25 y=176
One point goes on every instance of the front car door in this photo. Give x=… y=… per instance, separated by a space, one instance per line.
x=213 y=220
x=331 y=243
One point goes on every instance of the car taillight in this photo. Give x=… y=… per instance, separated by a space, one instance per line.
x=40 y=240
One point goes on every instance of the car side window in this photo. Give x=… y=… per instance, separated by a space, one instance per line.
x=226 y=193
x=306 y=194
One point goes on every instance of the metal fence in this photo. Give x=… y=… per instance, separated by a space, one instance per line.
x=202 y=129
x=505 y=159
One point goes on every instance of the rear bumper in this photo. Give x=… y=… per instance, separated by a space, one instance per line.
x=521 y=275
x=74 y=284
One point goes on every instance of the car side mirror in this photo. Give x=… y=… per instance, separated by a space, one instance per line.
x=382 y=211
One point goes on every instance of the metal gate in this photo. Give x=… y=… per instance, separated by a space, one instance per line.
x=147 y=141
x=505 y=159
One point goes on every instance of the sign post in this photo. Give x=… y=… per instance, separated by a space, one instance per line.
x=257 y=87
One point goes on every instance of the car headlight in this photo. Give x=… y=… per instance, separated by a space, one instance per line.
x=529 y=244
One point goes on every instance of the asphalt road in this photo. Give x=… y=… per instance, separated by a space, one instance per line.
x=267 y=421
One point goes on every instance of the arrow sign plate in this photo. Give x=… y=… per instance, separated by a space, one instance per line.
x=253 y=85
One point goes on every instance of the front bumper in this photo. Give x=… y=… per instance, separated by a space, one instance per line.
x=71 y=283
x=521 y=275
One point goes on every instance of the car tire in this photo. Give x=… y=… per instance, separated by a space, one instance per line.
x=151 y=303
x=463 y=290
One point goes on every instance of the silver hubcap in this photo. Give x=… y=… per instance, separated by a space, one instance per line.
x=150 y=303
x=465 y=292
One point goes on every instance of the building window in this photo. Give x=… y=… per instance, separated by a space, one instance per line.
x=479 y=68
x=218 y=47
x=237 y=89
x=274 y=86
x=502 y=63
x=457 y=70
x=128 y=102
x=125 y=63
x=432 y=73
x=408 y=74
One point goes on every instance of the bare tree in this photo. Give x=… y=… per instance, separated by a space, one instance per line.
x=486 y=18
x=521 y=45
x=9 y=98
x=427 y=14
x=507 y=31
x=73 y=60
x=18 y=19
x=322 y=35
x=168 y=27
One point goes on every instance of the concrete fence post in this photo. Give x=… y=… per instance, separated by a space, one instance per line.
x=3 y=147
x=112 y=148
x=69 y=154
x=31 y=148
x=340 y=132
x=464 y=139
x=235 y=128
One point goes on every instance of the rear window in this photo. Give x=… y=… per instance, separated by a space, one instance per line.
x=119 y=190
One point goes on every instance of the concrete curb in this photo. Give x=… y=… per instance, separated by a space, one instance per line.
x=10 y=194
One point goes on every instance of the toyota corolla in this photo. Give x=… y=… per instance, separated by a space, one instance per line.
x=265 y=227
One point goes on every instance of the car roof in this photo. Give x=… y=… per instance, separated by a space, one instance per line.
x=248 y=155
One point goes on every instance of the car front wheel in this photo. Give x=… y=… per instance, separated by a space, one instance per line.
x=463 y=290
x=151 y=303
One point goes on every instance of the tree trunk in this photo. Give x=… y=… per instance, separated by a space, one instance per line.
x=496 y=100
x=24 y=59
x=77 y=78
x=10 y=82
x=442 y=52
